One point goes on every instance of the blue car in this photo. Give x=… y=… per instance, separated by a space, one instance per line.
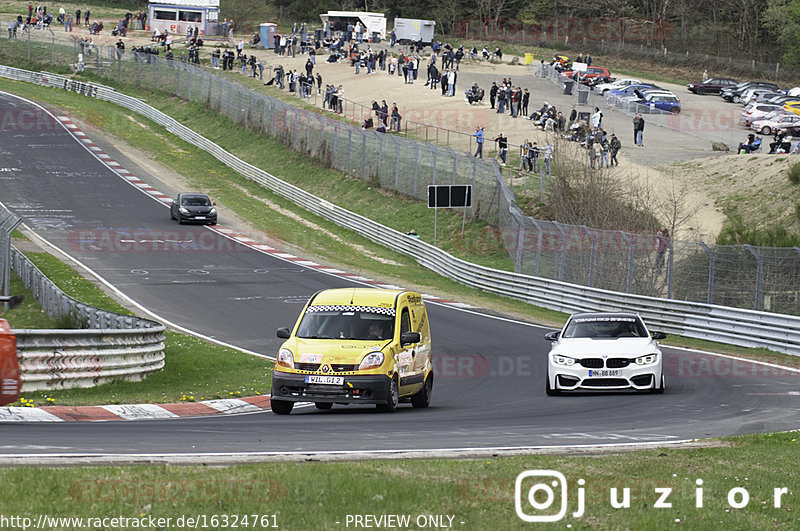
x=660 y=101
x=630 y=89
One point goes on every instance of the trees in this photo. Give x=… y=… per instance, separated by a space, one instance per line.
x=782 y=19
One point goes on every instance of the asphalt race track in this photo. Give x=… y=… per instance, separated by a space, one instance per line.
x=490 y=382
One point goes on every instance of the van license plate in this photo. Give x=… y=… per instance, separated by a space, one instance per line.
x=328 y=380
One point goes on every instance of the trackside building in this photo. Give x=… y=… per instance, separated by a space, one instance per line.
x=177 y=16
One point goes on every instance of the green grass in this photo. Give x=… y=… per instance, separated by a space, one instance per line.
x=29 y=313
x=793 y=173
x=195 y=370
x=477 y=492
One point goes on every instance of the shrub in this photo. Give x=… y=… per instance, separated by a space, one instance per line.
x=794 y=173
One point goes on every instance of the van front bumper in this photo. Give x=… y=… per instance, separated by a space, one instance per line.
x=356 y=389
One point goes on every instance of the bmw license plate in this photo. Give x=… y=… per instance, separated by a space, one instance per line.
x=603 y=373
x=327 y=380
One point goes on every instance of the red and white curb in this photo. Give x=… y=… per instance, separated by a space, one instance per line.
x=225 y=406
x=117 y=168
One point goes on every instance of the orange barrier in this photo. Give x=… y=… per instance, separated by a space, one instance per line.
x=10 y=382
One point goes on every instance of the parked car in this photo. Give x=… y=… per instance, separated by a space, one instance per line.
x=711 y=86
x=666 y=102
x=768 y=126
x=759 y=111
x=793 y=91
x=631 y=89
x=792 y=106
x=629 y=92
x=616 y=84
x=591 y=73
x=762 y=95
x=734 y=93
x=193 y=207
x=604 y=351
x=782 y=100
x=753 y=93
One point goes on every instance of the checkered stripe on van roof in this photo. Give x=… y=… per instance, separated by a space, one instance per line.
x=340 y=308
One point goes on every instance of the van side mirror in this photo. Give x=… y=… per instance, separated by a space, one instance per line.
x=284 y=333
x=659 y=335
x=552 y=336
x=407 y=338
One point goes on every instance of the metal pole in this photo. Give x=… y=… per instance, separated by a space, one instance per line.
x=759 y=274
x=711 y=267
x=435 y=214
x=518 y=253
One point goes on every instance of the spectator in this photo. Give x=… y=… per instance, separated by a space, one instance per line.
x=547 y=155
x=751 y=144
x=502 y=148
x=597 y=119
x=638 y=130
x=478 y=134
x=395 y=118
x=614 y=145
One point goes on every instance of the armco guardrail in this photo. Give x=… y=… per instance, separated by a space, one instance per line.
x=704 y=321
x=57 y=359
x=114 y=347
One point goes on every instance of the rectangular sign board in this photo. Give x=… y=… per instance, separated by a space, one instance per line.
x=449 y=196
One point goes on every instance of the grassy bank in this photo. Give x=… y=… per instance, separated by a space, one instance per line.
x=195 y=370
x=478 y=494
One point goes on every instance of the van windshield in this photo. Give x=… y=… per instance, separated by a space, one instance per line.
x=347 y=322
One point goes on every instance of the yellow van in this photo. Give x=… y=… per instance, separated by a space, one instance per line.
x=356 y=346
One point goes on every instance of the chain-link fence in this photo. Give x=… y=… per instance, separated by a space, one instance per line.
x=596 y=36
x=739 y=276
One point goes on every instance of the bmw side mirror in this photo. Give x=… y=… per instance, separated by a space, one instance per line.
x=552 y=336
x=407 y=338
x=284 y=333
x=659 y=335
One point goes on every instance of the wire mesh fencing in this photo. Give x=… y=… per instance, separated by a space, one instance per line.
x=741 y=276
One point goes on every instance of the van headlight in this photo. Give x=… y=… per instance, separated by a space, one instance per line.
x=184 y=210
x=285 y=358
x=563 y=360
x=373 y=360
x=646 y=360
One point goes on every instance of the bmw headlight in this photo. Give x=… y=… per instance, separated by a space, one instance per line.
x=373 y=360
x=184 y=210
x=285 y=358
x=646 y=360
x=563 y=360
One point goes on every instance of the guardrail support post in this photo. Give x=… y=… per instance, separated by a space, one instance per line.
x=564 y=244
x=711 y=268
x=591 y=255
x=631 y=256
x=759 y=274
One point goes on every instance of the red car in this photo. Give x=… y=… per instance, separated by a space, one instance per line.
x=592 y=73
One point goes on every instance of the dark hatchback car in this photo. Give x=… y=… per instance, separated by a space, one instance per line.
x=735 y=92
x=711 y=86
x=193 y=207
